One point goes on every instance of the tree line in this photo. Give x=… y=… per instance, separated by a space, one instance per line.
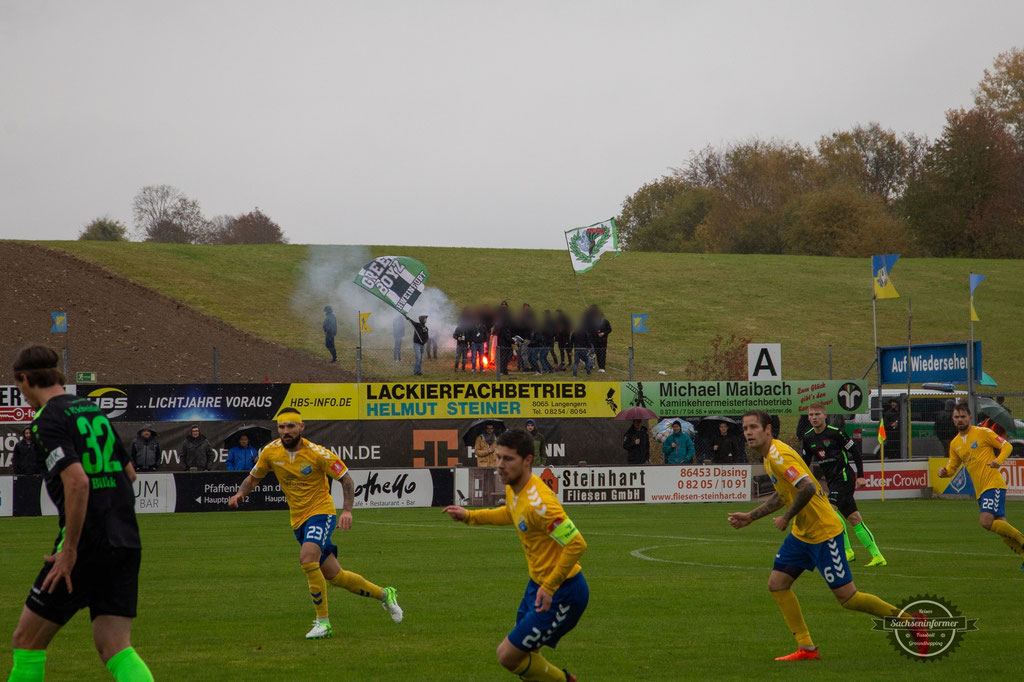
x=165 y=214
x=856 y=192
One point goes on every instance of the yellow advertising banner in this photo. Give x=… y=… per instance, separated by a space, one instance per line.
x=322 y=401
x=490 y=399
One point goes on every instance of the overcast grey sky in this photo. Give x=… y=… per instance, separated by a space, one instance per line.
x=440 y=122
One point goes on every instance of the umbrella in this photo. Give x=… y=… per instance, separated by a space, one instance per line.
x=999 y=414
x=258 y=436
x=477 y=427
x=631 y=413
x=709 y=426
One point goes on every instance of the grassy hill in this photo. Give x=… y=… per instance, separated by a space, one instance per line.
x=803 y=302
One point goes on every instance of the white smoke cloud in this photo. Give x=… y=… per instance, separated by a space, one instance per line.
x=328 y=279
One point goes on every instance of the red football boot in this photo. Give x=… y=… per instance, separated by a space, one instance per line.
x=801 y=655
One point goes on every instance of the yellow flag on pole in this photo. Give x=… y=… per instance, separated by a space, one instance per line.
x=364 y=319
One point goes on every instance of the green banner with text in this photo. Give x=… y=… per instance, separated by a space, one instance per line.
x=705 y=398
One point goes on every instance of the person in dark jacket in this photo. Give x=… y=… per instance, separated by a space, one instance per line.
x=637 y=443
x=26 y=461
x=145 y=449
x=462 y=333
x=504 y=329
x=196 y=453
x=945 y=429
x=540 y=447
x=242 y=457
x=563 y=330
x=582 y=348
x=600 y=329
x=478 y=338
x=420 y=336
x=330 y=331
x=727 y=448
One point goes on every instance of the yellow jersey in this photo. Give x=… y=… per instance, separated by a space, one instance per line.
x=303 y=475
x=550 y=540
x=975 y=450
x=817 y=521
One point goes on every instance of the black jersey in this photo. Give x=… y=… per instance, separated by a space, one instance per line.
x=832 y=451
x=67 y=430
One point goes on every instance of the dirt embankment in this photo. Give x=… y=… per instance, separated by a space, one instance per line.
x=128 y=333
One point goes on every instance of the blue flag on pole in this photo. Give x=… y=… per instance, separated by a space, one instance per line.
x=60 y=323
x=640 y=323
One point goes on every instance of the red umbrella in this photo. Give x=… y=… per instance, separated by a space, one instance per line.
x=631 y=413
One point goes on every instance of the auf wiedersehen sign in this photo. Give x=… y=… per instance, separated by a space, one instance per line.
x=945 y=362
x=706 y=398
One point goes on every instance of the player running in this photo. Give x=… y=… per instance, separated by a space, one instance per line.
x=302 y=468
x=814 y=541
x=975 y=447
x=96 y=556
x=831 y=450
x=557 y=592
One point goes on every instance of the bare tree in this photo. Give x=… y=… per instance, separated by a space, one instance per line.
x=164 y=213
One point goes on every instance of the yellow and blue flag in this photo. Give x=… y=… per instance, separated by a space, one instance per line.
x=60 y=323
x=640 y=323
x=975 y=281
x=881 y=269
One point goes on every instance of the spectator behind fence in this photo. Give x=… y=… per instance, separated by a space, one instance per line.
x=330 y=331
x=196 y=451
x=637 y=443
x=945 y=429
x=540 y=457
x=563 y=330
x=26 y=460
x=486 y=448
x=420 y=336
x=678 y=446
x=243 y=456
x=893 y=427
x=398 y=332
x=504 y=329
x=727 y=448
x=461 y=335
x=582 y=348
x=145 y=449
x=600 y=329
x=478 y=333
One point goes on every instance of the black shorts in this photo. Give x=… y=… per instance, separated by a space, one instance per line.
x=107 y=581
x=841 y=497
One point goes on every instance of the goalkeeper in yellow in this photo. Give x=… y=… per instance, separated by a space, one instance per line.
x=975 y=447
x=304 y=470
x=557 y=592
x=814 y=543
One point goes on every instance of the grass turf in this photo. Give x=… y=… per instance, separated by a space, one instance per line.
x=675 y=593
x=804 y=302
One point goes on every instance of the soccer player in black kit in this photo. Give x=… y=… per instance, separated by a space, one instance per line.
x=831 y=449
x=95 y=559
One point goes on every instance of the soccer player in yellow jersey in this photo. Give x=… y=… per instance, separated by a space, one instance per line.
x=975 y=447
x=302 y=468
x=814 y=543
x=557 y=592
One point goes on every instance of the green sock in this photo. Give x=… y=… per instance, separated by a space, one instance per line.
x=866 y=538
x=29 y=665
x=126 y=666
x=846 y=531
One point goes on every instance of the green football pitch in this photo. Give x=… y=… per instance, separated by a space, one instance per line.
x=676 y=593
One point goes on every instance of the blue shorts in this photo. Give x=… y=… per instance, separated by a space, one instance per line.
x=829 y=557
x=993 y=501
x=317 y=529
x=534 y=630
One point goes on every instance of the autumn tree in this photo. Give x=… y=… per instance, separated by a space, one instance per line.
x=875 y=160
x=1002 y=90
x=253 y=227
x=164 y=213
x=968 y=199
x=104 y=229
x=663 y=216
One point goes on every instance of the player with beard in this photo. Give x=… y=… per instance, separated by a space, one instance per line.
x=976 y=448
x=557 y=593
x=96 y=556
x=303 y=469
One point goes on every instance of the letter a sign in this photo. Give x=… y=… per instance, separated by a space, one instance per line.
x=764 y=361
